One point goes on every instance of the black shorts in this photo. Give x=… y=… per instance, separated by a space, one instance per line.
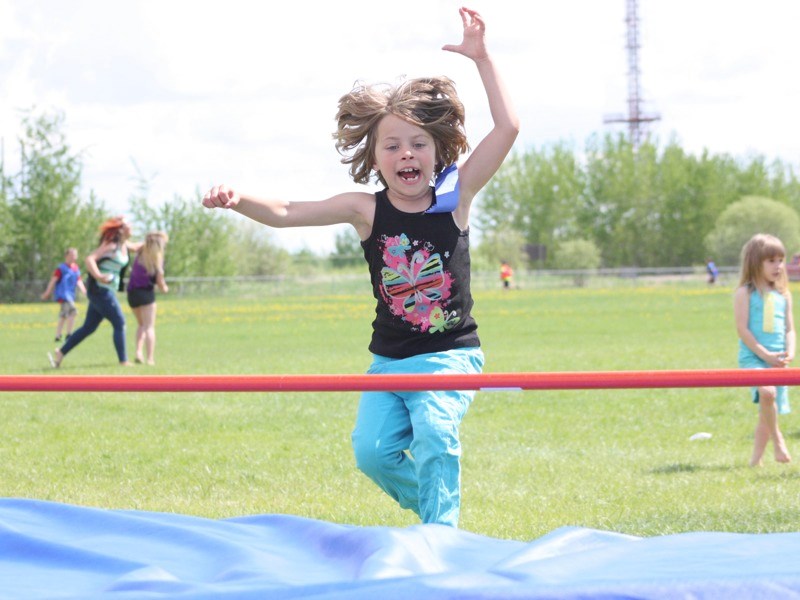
x=141 y=297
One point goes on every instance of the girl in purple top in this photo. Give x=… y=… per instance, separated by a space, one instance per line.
x=147 y=272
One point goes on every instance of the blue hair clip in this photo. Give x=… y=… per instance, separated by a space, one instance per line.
x=445 y=191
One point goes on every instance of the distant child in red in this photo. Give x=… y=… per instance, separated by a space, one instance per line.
x=65 y=279
x=506 y=274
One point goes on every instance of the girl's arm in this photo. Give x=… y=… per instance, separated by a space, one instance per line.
x=489 y=154
x=356 y=208
x=791 y=336
x=161 y=282
x=91 y=262
x=741 y=313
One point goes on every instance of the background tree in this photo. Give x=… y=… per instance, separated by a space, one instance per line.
x=5 y=224
x=743 y=219
x=256 y=252
x=649 y=207
x=347 y=249
x=201 y=242
x=535 y=194
x=46 y=213
x=497 y=246
x=579 y=255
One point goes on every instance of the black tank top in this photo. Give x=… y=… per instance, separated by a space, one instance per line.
x=420 y=270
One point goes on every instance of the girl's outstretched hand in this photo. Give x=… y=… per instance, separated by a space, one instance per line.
x=473 y=45
x=220 y=196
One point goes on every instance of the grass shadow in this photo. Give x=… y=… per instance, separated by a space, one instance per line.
x=690 y=468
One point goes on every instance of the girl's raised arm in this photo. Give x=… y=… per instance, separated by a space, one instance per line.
x=489 y=154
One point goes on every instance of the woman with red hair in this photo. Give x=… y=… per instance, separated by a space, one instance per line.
x=105 y=266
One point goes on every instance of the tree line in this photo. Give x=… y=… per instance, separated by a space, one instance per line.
x=606 y=204
x=643 y=207
x=43 y=211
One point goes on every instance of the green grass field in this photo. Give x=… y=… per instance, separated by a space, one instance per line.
x=533 y=461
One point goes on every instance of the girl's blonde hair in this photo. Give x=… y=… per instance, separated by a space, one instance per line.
x=151 y=254
x=430 y=103
x=759 y=248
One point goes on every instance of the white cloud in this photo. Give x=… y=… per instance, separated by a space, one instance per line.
x=198 y=93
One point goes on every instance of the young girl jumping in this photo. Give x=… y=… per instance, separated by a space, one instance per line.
x=416 y=243
x=763 y=313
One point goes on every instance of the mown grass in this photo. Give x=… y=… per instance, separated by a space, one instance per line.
x=618 y=460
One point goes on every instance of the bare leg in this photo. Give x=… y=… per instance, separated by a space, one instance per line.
x=137 y=312
x=781 y=451
x=70 y=323
x=149 y=324
x=767 y=428
x=60 y=327
x=760 y=439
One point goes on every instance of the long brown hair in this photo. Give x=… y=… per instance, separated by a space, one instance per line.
x=759 y=248
x=429 y=102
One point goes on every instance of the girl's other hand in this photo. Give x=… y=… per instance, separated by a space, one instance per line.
x=220 y=196
x=778 y=359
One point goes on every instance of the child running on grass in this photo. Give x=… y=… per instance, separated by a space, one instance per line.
x=62 y=285
x=763 y=313
x=105 y=265
x=416 y=243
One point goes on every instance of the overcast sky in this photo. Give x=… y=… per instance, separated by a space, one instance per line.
x=244 y=92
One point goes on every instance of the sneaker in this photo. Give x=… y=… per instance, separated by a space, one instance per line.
x=55 y=357
x=58 y=338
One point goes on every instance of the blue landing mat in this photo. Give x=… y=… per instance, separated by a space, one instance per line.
x=50 y=550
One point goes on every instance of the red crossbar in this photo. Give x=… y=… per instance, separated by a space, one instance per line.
x=568 y=380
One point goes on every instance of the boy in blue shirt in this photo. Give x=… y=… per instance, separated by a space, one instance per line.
x=65 y=279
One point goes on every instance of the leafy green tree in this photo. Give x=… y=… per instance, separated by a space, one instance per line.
x=610 y=214
x=347 y=249
x=46 y=213
x=256 y=253
x=645 y=206
x=533 y=193
x=743 y=219
x=580 y=255
x=201 y=241
x=5 y=225
x=577 y=254
x=498 y=246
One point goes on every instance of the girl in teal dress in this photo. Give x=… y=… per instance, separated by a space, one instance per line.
x=763 y=313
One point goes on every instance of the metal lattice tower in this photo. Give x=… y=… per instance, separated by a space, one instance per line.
x=636 y=118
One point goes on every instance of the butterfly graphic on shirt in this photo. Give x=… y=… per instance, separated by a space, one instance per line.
x=418 y=283
x=399 y=248
x=442 y=320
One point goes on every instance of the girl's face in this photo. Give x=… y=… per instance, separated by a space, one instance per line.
x=405 y=155
x=772 y=268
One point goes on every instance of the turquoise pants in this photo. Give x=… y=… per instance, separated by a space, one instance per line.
x=408 y=443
